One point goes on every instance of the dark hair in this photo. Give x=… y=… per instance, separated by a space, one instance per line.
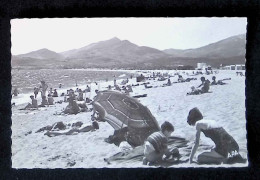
x=95 y=125
x=214 y=77
x=194 y=116
x=202 y=78
x=167 y=126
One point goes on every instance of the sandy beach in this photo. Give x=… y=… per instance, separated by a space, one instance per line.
x=226 y=105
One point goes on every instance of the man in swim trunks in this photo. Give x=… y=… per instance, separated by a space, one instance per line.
x=226 y=148
x=205 y=85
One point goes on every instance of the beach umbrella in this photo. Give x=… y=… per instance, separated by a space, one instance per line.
x=121 y=110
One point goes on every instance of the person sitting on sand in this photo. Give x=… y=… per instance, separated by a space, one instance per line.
x=80 y=98
x=92 y=127
x=50 y=100
x=44 y=102
x=72 y=107
x=205 y=85
x=32 y=105
x=226 y=148
x=169 y=83
x=55 y=93
x=88 y=89
x=156 y=145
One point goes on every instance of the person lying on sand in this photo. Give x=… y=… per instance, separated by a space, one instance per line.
x=57 y=126
x=33 y=105
x=180 y=78
x=88 y=128
x=214 y=82
x=226 y=148
x=156 y=147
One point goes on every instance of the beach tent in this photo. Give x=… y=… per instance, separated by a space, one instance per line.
x=121 y=110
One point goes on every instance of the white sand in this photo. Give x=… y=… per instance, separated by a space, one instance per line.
x=226 y=105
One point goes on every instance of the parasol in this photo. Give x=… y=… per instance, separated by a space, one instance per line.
x=121 y=110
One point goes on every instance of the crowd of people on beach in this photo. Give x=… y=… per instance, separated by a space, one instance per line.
x=155 y=147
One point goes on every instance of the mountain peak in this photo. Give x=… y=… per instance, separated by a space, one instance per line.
x=114 y=39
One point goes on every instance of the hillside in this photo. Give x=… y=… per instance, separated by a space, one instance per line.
x=227 y=48
x=42 y=54
x=115 y=53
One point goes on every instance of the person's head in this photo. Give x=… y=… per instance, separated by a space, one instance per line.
x=43 y=97
x=202 y=79
x=49 y=95
x=214 y=78
x=96 y=91
x=167 y=128
x=194 y=116
x=32 y=97
x=95 y=125
x=43 y=82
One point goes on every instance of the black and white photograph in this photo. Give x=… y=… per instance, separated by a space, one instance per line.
x=128 y=92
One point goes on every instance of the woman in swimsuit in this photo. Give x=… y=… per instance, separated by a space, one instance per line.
x=226 y=148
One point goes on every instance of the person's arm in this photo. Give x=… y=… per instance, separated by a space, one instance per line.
x=200 y=85
x=195 y=146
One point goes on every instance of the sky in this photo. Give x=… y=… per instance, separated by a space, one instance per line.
x=62 y=34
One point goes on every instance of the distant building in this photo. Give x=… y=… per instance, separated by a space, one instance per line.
x=234 y=67
x=201 y=65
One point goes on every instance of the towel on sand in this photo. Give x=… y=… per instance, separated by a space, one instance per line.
x=137 y=153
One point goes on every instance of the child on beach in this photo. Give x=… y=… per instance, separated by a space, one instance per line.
x=226 y=148
x=156 y=145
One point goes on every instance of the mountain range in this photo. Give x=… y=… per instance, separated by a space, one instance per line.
x=115 y=53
